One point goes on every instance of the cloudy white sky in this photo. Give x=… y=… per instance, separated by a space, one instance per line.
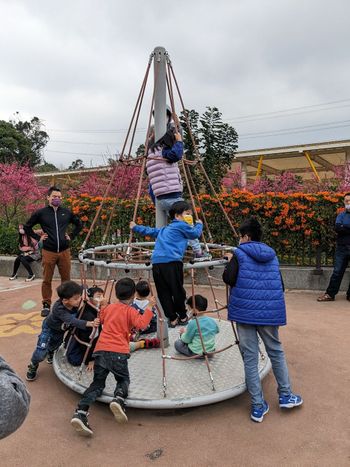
x=278 y=70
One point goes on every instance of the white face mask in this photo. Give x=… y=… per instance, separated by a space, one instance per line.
x=347 y=207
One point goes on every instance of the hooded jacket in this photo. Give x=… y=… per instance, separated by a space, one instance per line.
x=171 y=240
x=164 y=176
x=14 y=400
x=258 y=297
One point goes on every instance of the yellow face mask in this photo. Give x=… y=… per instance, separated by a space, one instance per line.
x=188 y=218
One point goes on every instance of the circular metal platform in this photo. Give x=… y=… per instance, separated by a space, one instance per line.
x=188 y=382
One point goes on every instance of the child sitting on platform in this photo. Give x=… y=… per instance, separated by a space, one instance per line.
x=112 y=353
x=140 y=303
x=76 y=350
x=170 y=246
x=55 y=325
x=190 y=342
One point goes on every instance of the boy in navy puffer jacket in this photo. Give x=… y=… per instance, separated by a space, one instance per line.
x=257 y=306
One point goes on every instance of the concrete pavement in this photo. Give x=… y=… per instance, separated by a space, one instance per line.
x=316 y=342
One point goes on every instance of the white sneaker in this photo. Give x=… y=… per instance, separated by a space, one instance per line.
x=12 y=278
x=30 y=278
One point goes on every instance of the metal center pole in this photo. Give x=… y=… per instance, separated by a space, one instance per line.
x=159 y=109
x=160 y=130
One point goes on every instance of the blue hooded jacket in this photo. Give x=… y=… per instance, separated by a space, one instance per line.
x=258 y=297
x=171 y=240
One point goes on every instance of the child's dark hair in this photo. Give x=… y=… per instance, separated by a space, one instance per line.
x=142 y=288
x=68 y=289
x=125 y=288
x=200 y=302
x=178 y=208
x=53 y=188
x=252 y=228
x=90 y=292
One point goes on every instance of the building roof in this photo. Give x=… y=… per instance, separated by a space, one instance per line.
x=324 y=157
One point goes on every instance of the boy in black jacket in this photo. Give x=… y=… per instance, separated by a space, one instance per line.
x=55 y=325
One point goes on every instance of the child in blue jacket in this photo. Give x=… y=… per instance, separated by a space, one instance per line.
x=257 y=306
x=167 y=266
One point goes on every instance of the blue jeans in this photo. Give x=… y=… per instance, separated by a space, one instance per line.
x=342 y=256
x=183 y=348
x=249 y=346
x=105 y=362
x=48 y=341
x=163 y=207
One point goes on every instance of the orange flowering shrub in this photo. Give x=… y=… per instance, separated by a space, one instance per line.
x=294 y=224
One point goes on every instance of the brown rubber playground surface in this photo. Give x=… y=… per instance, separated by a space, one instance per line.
x=316 y=342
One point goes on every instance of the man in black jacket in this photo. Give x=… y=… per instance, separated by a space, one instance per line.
x=54 y=221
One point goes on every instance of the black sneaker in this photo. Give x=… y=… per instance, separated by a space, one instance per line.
x=31 y=373
x=46 y=310
x=80 y=423
x=49 y=358
x=117 y=408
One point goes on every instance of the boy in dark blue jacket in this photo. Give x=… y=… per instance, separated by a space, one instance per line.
x=167 y=265
x=55 y=325
x=257 y=306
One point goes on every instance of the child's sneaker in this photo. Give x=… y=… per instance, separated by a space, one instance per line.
x=46 y=310
x=117 y=408
x=152 y=343
x=30 y=278
x=49 y=358
x=202 y=256
x=257 y=413
x=31 y=373
x=290 y=401
x=12 y=278
x=80 y=423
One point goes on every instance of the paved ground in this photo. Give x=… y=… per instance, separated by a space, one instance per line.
x=316 y=341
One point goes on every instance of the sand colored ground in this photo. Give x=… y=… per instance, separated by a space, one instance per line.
x=316 y=342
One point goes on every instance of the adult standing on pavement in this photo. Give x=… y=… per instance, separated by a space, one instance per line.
x=54 y=221
x=342 y=254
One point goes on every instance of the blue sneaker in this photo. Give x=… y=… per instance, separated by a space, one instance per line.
x=257 y=413
x=290 y=401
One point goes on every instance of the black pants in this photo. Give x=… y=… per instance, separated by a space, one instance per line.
x=341 y=260
x=25 y=260
x=107 y=362
x=169 y=279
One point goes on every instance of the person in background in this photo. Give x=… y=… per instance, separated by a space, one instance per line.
x=29 y=252
x=54 y=221
x=342 y=254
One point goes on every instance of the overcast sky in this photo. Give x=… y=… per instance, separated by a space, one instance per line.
x=78 y=65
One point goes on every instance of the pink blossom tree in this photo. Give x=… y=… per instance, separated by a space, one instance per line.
x=19 y=191
x=124 y=185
